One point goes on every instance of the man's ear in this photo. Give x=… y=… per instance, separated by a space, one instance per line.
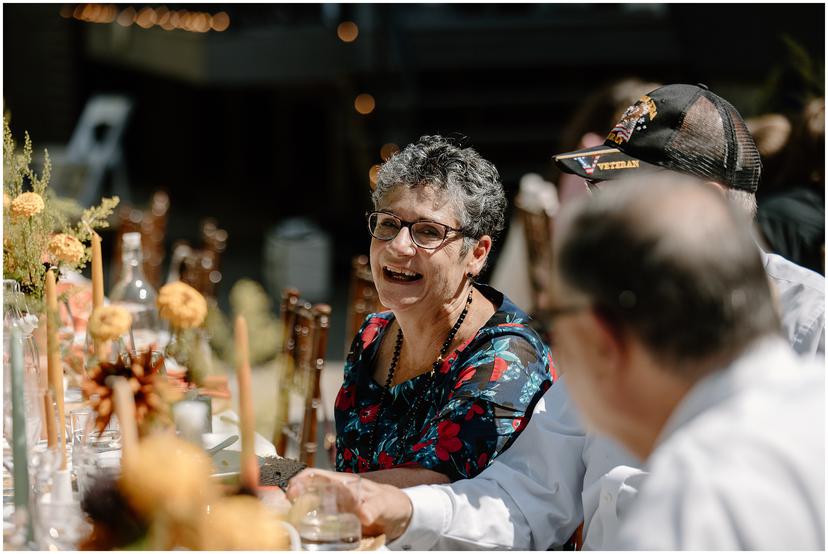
x=610 y=342
x=479 y=254
x=721 y=189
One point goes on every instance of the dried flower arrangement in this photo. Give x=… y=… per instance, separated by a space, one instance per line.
x=157 y=501
x=166 y=499
x=185 y=309
x=37 y=233
x=152 y=393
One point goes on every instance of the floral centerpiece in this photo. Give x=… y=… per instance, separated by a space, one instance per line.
x=151 y=391
x=166 y=498
x=184 y=308
x=37 y=233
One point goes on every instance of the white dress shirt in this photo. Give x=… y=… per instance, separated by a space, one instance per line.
x=531 y=497
x=801 y=294
x=554 y=476
x=740 y=463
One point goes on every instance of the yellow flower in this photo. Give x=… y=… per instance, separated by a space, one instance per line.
x=66 y=248
x=181 y=305
x=242 y=523
x=169 y=477
x=27 y=205
x=109 y=322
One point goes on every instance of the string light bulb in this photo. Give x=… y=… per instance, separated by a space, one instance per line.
x=388 y=150
x=147 y=17
x=364 y=103
x=347 y=31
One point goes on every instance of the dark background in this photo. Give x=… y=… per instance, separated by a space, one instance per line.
x=256 y=124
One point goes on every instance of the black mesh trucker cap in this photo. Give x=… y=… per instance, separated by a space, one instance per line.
x=685 y=128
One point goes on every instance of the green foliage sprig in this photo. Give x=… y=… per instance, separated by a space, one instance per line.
x=26 y=256
x=247 y=298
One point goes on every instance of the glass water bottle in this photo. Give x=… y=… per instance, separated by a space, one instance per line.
x=136 y=294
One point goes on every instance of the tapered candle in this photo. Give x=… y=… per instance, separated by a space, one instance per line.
x=49 y=415
x=125 y=410
x=53 y=361
x=97 y=272
x=249 y=464
x=19 y=442
x=97 y=285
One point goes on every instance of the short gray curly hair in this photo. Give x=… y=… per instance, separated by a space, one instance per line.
x=471 y=183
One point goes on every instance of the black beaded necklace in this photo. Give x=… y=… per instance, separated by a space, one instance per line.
x=386 y=389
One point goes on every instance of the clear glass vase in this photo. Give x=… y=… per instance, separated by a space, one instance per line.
x=187 y=356
x=16 y=314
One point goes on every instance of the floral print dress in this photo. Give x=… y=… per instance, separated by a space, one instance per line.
x=474 y=407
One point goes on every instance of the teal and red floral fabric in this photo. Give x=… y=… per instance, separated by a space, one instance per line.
x=480 y=399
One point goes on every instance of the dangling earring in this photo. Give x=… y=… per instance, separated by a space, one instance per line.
x=471 y=276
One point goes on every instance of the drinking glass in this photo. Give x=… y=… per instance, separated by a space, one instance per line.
x=60 y=526
x=326 y=520
x=79 y=424
x=43 y=462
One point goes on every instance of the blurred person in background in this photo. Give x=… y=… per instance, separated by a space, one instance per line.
x=792 y=217
x=585 y=128
x=588 y=125
x=690 y=130
x=436 y=387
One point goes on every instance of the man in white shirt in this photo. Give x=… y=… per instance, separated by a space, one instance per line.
x=667 y=328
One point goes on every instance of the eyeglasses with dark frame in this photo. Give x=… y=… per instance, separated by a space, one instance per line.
x=424 y=233
x=593 y=185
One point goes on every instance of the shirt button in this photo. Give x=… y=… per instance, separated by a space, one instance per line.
x=607 y=497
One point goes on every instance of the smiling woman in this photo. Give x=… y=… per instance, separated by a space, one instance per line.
x=442 y=383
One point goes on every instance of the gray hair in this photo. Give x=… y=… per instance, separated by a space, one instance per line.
x=742 y=200
x=471 y=183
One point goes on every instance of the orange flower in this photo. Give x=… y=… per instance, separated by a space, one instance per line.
x=66 y=248
x=167 y=475
x=242 y=523
x=109 y=322
x=27 y=205
x=181 y=305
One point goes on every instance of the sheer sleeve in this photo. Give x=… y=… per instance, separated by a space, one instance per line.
x=489 y=403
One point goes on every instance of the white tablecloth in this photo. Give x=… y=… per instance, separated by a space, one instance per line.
x=226 y=424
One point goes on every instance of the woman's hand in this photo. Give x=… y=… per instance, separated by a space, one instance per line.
x=382 y=509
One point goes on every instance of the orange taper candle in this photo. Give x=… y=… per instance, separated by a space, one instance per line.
x=249 y=464
x=97 y=272
x=125 y=410
x=53 y=361
x=49 y=416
